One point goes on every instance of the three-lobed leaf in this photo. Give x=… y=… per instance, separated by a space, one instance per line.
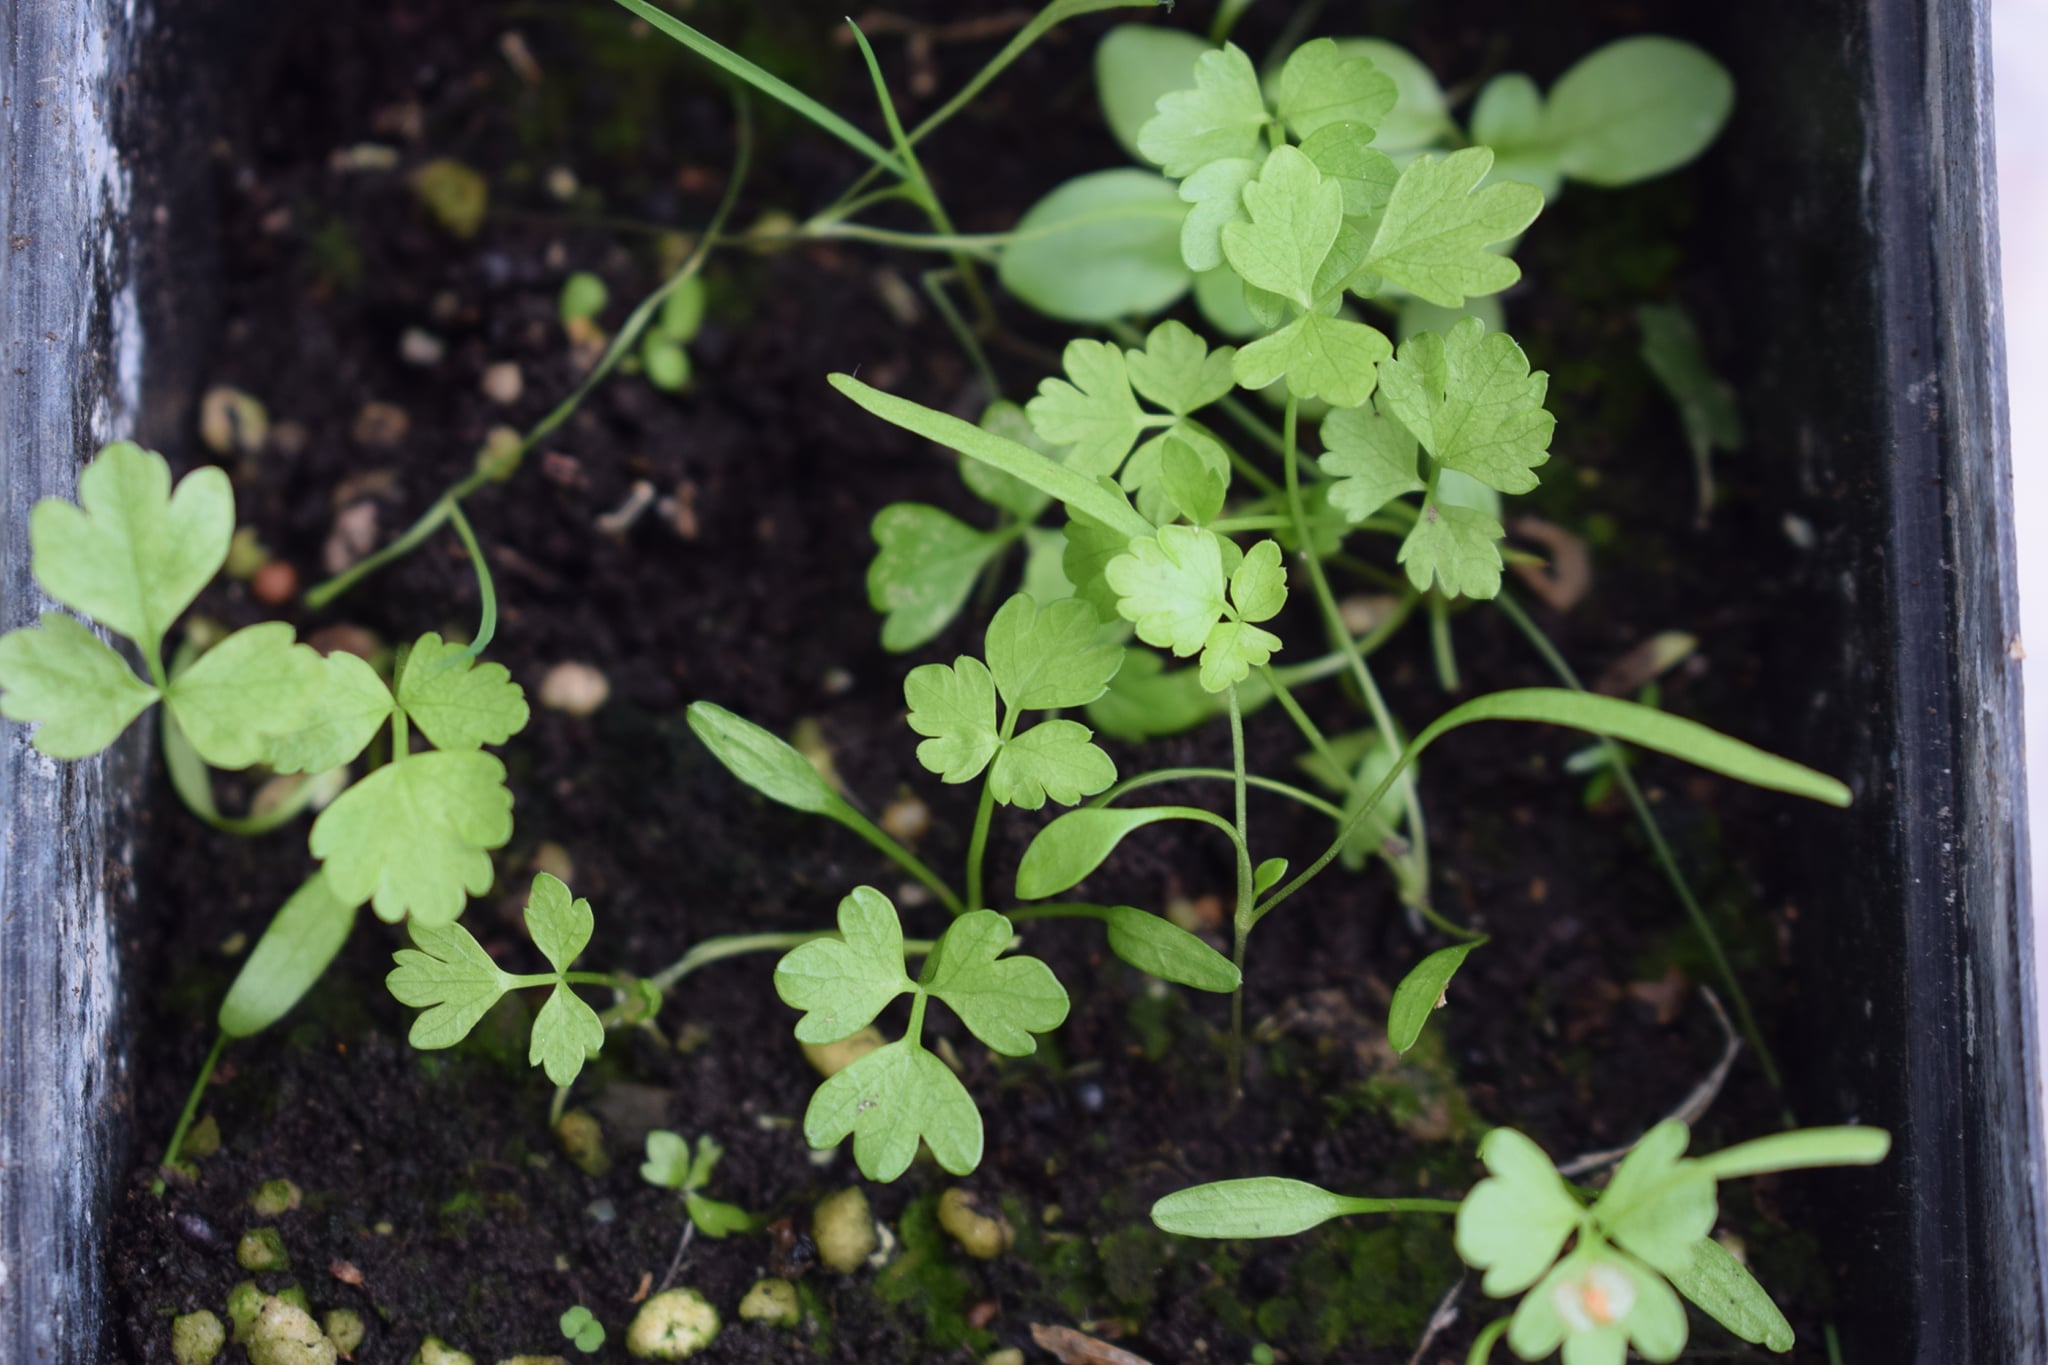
x=353 y=705
x=1468 y=396
x=1432 y=239
x=414 y=837
x=1002 y=1000
x=1056 y=759
x=1177 y=370
x=65 y=680
x=1051 y=657
x=889 y=1101
x=842 y=984
x=1091 y=411
x=1513 y=1223
x=1457 y=548
x=1371 y=458
x=447 y=975
x=1320 y=356
x=1171 y=587
x=954 y=707
x=1292 y=219
x=241 y=695
x=1222 y=115
x=926 y=563
x=1323 y=84
x=457 y=702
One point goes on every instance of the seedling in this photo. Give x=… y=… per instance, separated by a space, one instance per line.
x=672 y=1165
x=582 y=1329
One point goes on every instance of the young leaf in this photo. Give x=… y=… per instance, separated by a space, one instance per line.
x=1263 y=1206
x=1055 y=758
x=1145 y=701
x=1075 y=844
x=1100 y=247
x=1417 y=119
x=1189 y=482
x=1514 y=1222
x=1321 y=84
x=1144 y=473
x=1224 y=115
x=560 y=925
x=682 y=312
x=762 y=761
x=1508 y=117
x=415 y=835
x=1216 y=196
x=1178 y=371
x=1422 y=991
x=251 y=687
x=1267 y=875
x=1002 y=1000
x=1730 y=1295
x=1293 y=215
x=566 y=1034
x=1433 y=238
x=955 y=708
x=1635 y=109
x=926 y=564
x=1372 y=459
x=1596 y=1303
x=1091 y=411
x=1456 y=547
x=709 y=1153
x=302 y=938
x=1171 y=586
x=1232 y=651
x=667 y=364
x=353 y=705
x=1364 y=176
x=133 y=554
x=1471 y=401
x=1161 y=948
x=842 y=984
x=668 y=1160
x=583 y=297
x=1658 y=1204
x=64 y=679
x=715 y=1218
x=1802 y=1149
x=1051 y=657
x=449 y=975
x=1319 y=356
x=457 y=702
x=1134 y=65
x=891 y=1099
x=1258 y=585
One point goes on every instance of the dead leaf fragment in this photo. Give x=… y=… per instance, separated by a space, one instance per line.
x=1078 y=1348
x=1570 y=573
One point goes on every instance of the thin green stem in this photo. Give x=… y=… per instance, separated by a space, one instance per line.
x=1278 y=788
x=487 y=625
x=1260 y=430
x=977 y=847
x=726 y=946
x=1440 y=643
x=1666 y=859
x=901 y=856
x=1242 y=919
x=934 y=282
x=1309 y=729
x=191 y=1109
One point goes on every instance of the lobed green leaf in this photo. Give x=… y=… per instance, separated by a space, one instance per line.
x=1002 y=1000
x=457 y=702
x=1222 y=115
x=239 y=697
x=1051 y=657
x=842 y=984
x=1433 y=238
x=63 y=679
x=926 y=563
x=414 y=837
x=353 y=705
x=889 y=1101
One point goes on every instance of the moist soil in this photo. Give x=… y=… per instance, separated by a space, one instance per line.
x=436 y=1198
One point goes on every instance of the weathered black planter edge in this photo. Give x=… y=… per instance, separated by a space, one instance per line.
x=1948 y=1241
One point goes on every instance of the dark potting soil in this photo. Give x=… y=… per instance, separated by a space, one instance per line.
x=436 y=1199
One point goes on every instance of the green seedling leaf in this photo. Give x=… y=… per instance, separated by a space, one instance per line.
x=926 y=563
x=1144 y=473
x=1264 y=1206
x=132 y=554
x=1469 y=398
x=457 y=702
x=667 y=363
x=1146 y=701
x=1178 y=371
x=1051 y=657
x=1075 y=844
x=1092 y=411
x=583 y=297
x=1366 y=177
x=1433 y=238
x=1422 y=992
x=1658 y=1204
x=1513 y=1223
x=302 y=938
x=559 y=924
x=1258 y=585
x=1045 y=574
x=955 y=707
x=1085 y=560
x=1372 y=459
x=1292 y=219
x=668 y=1160
x=1215 y=194
x=414 y=837
x=1190 y=482
x=1171 y=586
x=991 y=485
x=581 y=1326
x=456 y=195
x=1002 y=1000
x=1100 y=247
x=1803 y=1149
x=1135 y=64
x=1223 y=115
x=250 y=688
x=65 y=680
x=447 y=974
x=1417 y=119
x=1726 y=1292
x=842 y=984
x=761 y=760
x=1267 y=875
x=1508 y=117
x=353 y=704
x=566 y=1034
x=1706 y=404
x=1163 y=949
x=1056 y=759
x=1457 y=548
x=891 y=1099
x=709 y=1154
x=715 y=1218
x=1322 y=84
x=682 y=312
x=1233 y=649
x=1319 y=356
x=1636 y=109
x=1597 y=1303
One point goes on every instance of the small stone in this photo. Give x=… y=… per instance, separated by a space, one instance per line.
x=561 y=183
x=434 y=1351
x=261 y=1249
x=906 y=819
x=1363 y=614
x=773 y=1302
x=196 y=1338
x=380 y=424
x=983 y=1236
x=275 y=584
x=837 y=682
x=418 y=346
x=503 y=382
x=554 y=860
x=1009 y=1355
x=577 y=688
x=245 y=1301
x=285 y=1334
x=275 y=1197
x=231 y=421
x=582 y=1140
x=673 y=1325
x=534 y=1360
x=602 y=1212
x=245 y=554
x=354 y=535
x=344 y=1327
x=499 y=456
x=829 y=1059
x=363 y=156
x=844 y=1230
x=289 y=438
x=455 y=194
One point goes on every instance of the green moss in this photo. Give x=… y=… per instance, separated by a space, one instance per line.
x=261 y=1249
x=1133 y=1259
x=196 y=1338
x=928 y=1281
x=1359 y=1285
x=1417 y=1092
